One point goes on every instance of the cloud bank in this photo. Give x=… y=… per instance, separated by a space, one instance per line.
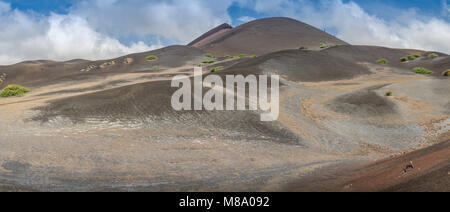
x=91 y=29
x=94 y=29
x=28 y=36
x=409 y=29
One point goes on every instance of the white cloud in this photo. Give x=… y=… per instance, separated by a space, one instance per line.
x=356 y=26
x=246 y=19
x=56 y=37
x=446 y=8
x=4 y=7
x=91 y=28
x=178 y=20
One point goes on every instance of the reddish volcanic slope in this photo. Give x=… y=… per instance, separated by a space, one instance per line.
x=210 y=34
x=265 y=36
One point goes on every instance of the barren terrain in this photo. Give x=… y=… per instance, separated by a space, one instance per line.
x=109 y=126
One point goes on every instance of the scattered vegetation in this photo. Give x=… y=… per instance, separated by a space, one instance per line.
x=382 y=61
x=217 y=68
x=156 y=67
x=254 y=56
x=106 y=64
x=151 y=58
x=208 y=61
x=303 y=48
x=411 y=57
x=2 y=78
x=421 y=70
x=433 y=55
x=209 y=55
x=446 y=73
x=323 y=46
x=389 y=93
x=89 y=68
x=239 y=56
x=14 y=90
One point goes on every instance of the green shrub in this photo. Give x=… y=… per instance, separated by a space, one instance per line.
x=323 y=46
x=208 y=61
x=217 y=68
x=242 y=55
x=421 y=70
x=14 y=90
x=404 y=59
x=303 y=48
x=151 y=58
x=389 y=93
x=446 y=73
x=382 y=61
x=411 y=57
x=209 y=55
x=417 y=55
x=433 y=55
x=229 y=56
x=156 y=67
x=254 y=56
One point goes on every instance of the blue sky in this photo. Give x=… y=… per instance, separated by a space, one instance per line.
x=378 y=7
x=42 y=6
x=100 y=29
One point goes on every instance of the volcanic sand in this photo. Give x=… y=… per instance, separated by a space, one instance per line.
x=114 y=129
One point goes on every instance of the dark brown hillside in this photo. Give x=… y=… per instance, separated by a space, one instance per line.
x=268 y=35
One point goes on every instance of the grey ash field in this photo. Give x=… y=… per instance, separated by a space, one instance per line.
x=109 y=126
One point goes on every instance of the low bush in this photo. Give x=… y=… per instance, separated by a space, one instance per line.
x=14 y=90
x=229 y=56
x=323 y=46
x=208 y=61
x=421 y=70
x=151 y=58
x=303 y=48
x=411 y=57
x=417 y=55
x=209 y=55
x=433 y=55
x=404 y=59
x=156 y=67
x=2 y=78
x=389 y=93
x=446 y=73
x=382 y=61
x=217 y=68
x=242 y=55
